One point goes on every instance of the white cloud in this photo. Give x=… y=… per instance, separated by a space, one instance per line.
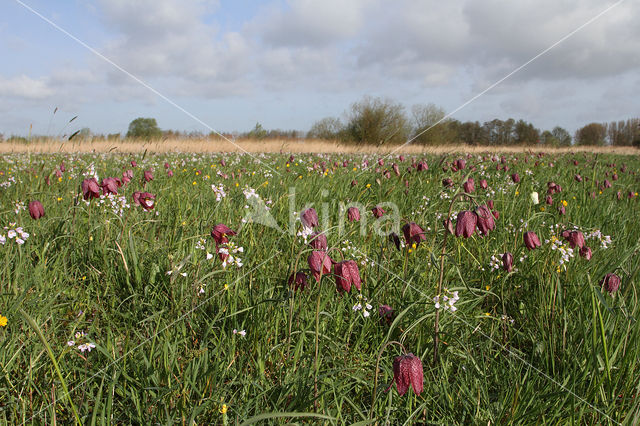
x=25 y=87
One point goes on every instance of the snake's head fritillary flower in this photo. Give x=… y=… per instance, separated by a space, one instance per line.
x=127 y=175
x=298 y=280
x=507 y=262
x=578 y=178
x=611 y=282
x=320 y=264
x=447 y=182
x=448 y=225
x=549 y=200
x=170 y=173
x=466 y=223
x=347 y=274
x=413 y=233
x=166 y=165
x=386 y=314
x=469 y=186
x=134 y=163
x=90 y=188
x=586 y=252
x=460 y=164
x=36 y=210
x=422 y=166
x=148 y=176
x=110 y=186
x=393 y=237
x=62 y=167
x=407 y=370
x=220 y=232
x=353 y=214
x=396 y=169
x=309 y=218
x=144 y=199
x=515 y=178
x=574 y=238
x=485 y=220
x=484 y=184
x=318 y=241
x=378 y=211
x=531 y=240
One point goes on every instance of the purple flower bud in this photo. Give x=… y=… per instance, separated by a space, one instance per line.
x=413 y=233
x=469 y=186
x=386 y=314
x=319 y=263
x=318 y=241
x=407 y=370
x=586 y=252
x=298 y=280
x=611 y=282
x=378 y=211
x=36 y=210
x=507 y=262
x=353 y=214
x=485 y=220
x=309 y=218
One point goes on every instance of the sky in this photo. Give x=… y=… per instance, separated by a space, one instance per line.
x=228 y=64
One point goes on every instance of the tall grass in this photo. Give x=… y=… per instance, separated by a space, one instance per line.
x=543 y=344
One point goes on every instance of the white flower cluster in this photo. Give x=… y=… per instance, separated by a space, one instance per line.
x=250 y=192
x=305 y=233
x=353 y=252
x=10 y=181
x=219 y=191
x=117 y=203
x=230 y=249
x=14 y=233
x=87 y=346
x=363 y=306
x=18 y=206
x=495 y=262
x=605 y=240
x=240 y=332
x=446 y=300
x=200 y=245
x=566 y=253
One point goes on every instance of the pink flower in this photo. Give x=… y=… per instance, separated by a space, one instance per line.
x=298 y=280
x=148 y=176
x=611 y=283
x=469 y=186
x=220 y=232
x=485 y=220
x=110 y=186
x=378 y=211
x=586 y=252
x=507 y=262
x=318 y=241
x=144 y=199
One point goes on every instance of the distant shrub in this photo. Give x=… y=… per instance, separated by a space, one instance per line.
x=144 y=128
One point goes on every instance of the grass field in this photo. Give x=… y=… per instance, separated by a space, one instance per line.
x=113 y=313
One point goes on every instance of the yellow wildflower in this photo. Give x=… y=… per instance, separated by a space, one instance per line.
x=564 y=203
x=224 y=409
x=3 y=321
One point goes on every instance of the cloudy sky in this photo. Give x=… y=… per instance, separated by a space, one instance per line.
x=286 y=64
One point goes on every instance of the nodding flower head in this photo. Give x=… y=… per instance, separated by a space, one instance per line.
x=407 y=370
x=574 y=238
x=347 y=274
x=144 y=199
x=611 y=283
x=319 y=263
x=393 y=237
x=353 y=214
x=531 y=240
x=466 y=223
x=413 y=233
x=127 y=175
x=298 y=281
x=110 y=186
x=318 y=241
x=148 y=176
x=220 y=232
x=469 y=186
x=378 y=211
x=36 y=210
x=485 y=221
x=515 y=178
x=507 y=262
x=386 y=314
x=90 y=188
x=309 y=218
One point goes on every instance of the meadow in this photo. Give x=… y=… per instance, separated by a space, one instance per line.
x=190 y=288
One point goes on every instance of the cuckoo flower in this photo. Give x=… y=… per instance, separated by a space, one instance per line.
x=90 y=188
x=413 y=233
x=407 y=370
x=309 y=218
x=36 y=210
x=531 y=240
x=353 y=214
x=347 y=274
x=144 y=199
x=319 y=263
x=466 y=223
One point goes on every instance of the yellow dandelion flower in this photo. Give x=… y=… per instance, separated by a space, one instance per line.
x=410 y=251
x=224 y=409
x=413 y=246
x=299 y=176
x=517 y=192
x=487 y=287
x=60 y=179
x=355 y=168
x=368 y=185
x=3 y=321
x=237 y=184
x=194 y=183
x=564 y=203
x=226 y=286
x=59 y=198
x=487 y=314
x=287 y=165
x=542 y=209
x=84 y=278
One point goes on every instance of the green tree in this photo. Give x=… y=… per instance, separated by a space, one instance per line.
x=377 y=121
x=144 y=128
x=258 y=132
x=591 y=134
x=430 y=126
x=327 y=128
x=526 y=133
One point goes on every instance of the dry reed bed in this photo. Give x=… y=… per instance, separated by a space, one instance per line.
x=252 y=146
